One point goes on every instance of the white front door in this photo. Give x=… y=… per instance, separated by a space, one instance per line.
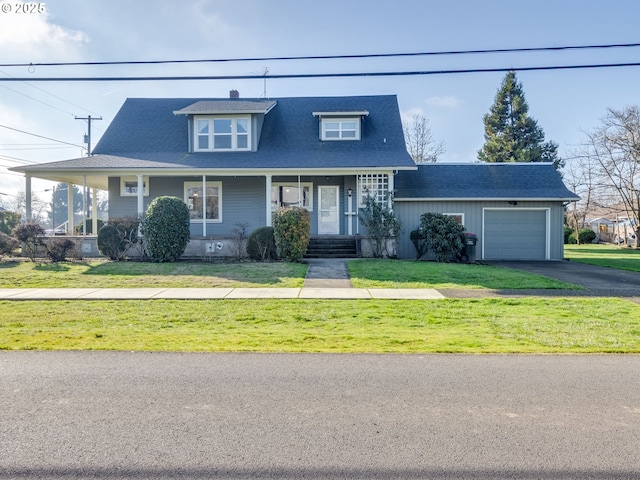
x=329 y=215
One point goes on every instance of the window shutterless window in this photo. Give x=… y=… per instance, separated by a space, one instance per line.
x=222 y=134
x=129 y=186
x=340 y=129
x=205 y=203
x=292 y=195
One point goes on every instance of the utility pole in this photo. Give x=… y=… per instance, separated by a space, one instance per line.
x=87 y=137
x=85 y=197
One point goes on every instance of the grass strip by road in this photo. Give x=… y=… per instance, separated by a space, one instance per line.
x=105 y=274
x=370 y=273
x=622 y=258
x=558 y=325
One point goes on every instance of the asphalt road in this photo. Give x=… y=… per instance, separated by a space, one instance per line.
x=130 y=415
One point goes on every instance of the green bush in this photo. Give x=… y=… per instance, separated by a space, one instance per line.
x=291 y=230
x=110 y=243
x=59 y=248
x=30 y=235
x=261 y=245
x=567 y=232
x=8 y=244
x=442 y=235
x=419 y=243
x=382 y=225
x=585 y=235
x=166 y=228
x=8 y=221
x=89 y=227
x=117 y=237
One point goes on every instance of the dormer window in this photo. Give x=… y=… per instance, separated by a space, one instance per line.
x=222 y=134
x=340 y=125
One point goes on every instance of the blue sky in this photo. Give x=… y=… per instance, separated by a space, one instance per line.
x=563 y=102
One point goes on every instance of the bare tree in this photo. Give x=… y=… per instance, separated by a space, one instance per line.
x=18 y=203
x=614 y=147
x=420 y=142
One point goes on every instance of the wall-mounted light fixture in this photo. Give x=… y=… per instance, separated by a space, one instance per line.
x=513 y=203
x=349 y=192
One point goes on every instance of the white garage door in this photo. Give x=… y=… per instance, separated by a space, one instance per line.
x=515 y=234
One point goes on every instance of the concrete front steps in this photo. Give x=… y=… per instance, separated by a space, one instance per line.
x=332 y=246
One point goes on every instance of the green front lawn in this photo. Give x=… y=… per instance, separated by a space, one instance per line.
x=374 y=273
x=566 y=325
x=105 y=274
x=623 y=258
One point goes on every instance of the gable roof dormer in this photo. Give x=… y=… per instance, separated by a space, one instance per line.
x=341 y=125
x=225 y=125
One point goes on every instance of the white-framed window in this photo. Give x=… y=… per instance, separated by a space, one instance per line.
x=129 y=186
x=457 y=217
x=292 y=194
x=222 y=133
x=340 y=128
x=374 y=185
x=204 y=203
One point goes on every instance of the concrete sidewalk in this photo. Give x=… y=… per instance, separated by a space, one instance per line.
x=214 y=293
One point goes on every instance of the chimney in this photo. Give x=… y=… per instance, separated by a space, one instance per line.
x=234 y=94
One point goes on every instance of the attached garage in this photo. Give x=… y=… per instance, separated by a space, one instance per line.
x=515 y=209
x=515 y=234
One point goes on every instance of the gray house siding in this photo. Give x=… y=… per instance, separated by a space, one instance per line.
x=473 y=217
x=243 y=200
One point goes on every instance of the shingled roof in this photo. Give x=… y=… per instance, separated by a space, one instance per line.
x=483 y=181
x=152 y=134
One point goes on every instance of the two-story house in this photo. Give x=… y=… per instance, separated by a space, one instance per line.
x=235 y=160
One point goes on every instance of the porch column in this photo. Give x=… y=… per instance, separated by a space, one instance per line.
x=70 y=210
x=84 y=205
x=27 y=191
x=94 y=211
x=391 y=188
x=204 y=205
x=357 y=204
x=140 y=196
x=269 y=222
x=350 y=213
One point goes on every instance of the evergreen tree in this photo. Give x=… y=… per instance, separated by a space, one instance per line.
x=510 y=134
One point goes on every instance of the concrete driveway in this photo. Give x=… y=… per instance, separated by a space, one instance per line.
x=598 y=280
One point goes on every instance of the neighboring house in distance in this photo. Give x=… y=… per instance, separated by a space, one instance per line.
x=236 y=160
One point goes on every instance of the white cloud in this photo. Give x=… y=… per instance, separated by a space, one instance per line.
x=33 y=37
x=447 y=101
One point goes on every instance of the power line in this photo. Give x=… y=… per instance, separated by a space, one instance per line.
x=322 y=75
x=40 y=136
x=330 y=57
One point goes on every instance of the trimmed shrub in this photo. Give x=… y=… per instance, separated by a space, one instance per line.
x=111 y=243
x=59 y=248
x=291 y=230
x=30 y=235
x=117 y=237
x=261 y=245
x=585 y=235
x=7 y=244
x=166 y=228
x=419 y=243
x=442 y=235
x=567 y=233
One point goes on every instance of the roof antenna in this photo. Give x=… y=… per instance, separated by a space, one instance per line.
x=265 y=70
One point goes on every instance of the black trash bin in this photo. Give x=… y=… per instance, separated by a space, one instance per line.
x=469 y=250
